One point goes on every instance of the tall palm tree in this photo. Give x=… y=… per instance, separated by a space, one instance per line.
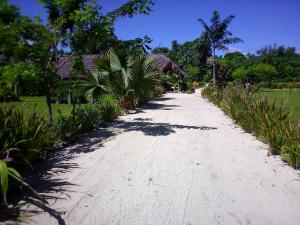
x=218 y=35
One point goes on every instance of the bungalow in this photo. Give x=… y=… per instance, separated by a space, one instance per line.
x=64 y=71
x=163 y=63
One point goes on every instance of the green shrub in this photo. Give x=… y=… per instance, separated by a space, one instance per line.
x=240 y=74
x=81 y=120
x=6 y=173
x=23 y=136
x=255 y=73
x=257 y=115
x=7 y=95
x=23 y=139
x=109 y=108
x=261 y=72
x=84 y=119
x=25 y=76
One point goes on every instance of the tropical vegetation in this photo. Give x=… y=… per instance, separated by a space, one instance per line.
x=31 y=51
x=266 y=120
x=131 y=79
x=40 y=110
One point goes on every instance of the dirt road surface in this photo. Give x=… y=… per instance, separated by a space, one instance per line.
x=179 y=160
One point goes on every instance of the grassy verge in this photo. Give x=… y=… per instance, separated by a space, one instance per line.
x=289 y=98
x=38 y=104
x=258 y=115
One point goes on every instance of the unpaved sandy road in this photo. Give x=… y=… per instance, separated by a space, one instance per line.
x=177 y=161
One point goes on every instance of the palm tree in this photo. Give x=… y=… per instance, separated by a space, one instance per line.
x=130 y=79
x=145 y=79
x=218 y=35
x=94 y=86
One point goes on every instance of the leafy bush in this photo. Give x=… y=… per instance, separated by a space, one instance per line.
x=64 y=89
x=255 y=73
x=23 y=137
x=7 y=172
x=84 y=119
x=257 y=115
x=67 y=128
x=193 y=73
x=240 y=74
x=25 y=76
x=7 y=94
x=109 y=108
x=261 y=72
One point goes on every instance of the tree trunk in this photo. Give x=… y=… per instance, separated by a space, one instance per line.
x=48 y=96
x=214 y=67
x=16 y=90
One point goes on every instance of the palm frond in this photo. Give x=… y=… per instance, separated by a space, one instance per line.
x=228 y=20
x=204 y=25
x=217 y=32
x=232 y=40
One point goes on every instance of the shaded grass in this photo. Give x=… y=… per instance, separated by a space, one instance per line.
x=290 y=99
x=38 y=104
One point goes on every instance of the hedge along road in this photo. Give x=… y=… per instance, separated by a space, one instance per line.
x=178 y=160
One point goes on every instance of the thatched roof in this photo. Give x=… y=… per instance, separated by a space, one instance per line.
x=65 y=70
x=165 y=64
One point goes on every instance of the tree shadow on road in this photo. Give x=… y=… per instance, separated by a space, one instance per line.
x=155 y=106
x=159 y=99
x=153 y=128
x=45 y=177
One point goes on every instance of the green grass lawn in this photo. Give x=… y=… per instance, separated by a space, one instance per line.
x=38 y=104
x=290 y=99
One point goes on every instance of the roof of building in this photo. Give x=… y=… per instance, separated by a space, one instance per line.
x=65 y=70
x=165 y=64
x=162 y=62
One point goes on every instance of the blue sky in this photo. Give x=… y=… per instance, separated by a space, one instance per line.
x=257 y=22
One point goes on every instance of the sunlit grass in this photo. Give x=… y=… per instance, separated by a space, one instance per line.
x=38 y=104
x=289 y=98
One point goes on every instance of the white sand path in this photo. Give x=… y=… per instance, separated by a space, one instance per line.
x=179 y=160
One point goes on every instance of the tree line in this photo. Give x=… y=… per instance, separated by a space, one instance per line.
x=30 y=48
x=198 y=57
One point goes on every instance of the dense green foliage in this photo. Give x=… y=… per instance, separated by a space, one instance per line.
x=6 y=174
x=86 y=118
x=125 y=77
x=77 y=25
x=30 y=51
x=21 y=79
x=268 y=121
x=131 y=79
x=24 y=138
x=276 y=64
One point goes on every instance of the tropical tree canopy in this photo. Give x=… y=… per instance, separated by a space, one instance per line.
x=218 y=35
